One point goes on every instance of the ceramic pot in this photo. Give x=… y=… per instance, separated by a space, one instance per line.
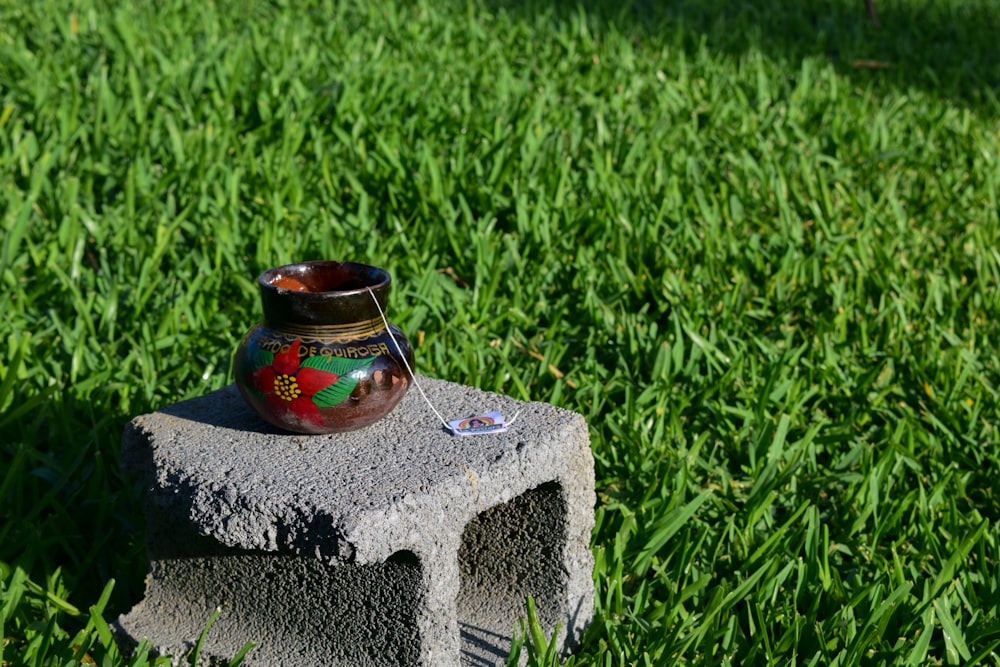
x=322 y=360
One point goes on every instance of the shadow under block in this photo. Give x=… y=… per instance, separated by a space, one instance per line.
x=398 y=544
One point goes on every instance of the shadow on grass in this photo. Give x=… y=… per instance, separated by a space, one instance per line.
x=949 y=47
x=68 y=506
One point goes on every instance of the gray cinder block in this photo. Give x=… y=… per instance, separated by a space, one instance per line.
x=398 y=544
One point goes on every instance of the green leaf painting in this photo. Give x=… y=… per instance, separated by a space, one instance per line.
x=349 y=370
x=261 y=358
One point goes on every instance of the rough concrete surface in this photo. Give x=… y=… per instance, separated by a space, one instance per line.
x=398 y=544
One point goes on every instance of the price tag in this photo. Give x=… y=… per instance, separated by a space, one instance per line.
x=490 y=422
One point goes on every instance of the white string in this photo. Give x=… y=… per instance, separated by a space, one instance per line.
x=402 y=356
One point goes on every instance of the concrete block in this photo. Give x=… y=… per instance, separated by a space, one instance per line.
x=398 y=544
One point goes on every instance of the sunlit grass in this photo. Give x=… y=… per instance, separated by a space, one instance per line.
x=766 y=277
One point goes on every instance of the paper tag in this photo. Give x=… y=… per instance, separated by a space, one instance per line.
x=490 y=422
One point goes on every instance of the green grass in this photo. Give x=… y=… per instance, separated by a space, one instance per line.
x=765 y=270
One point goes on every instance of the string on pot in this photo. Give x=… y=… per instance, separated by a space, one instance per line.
x=448 y=427
x=406 y=363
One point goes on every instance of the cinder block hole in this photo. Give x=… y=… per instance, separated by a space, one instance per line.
x=289 y=605
x=509 y=552
x=337 y=614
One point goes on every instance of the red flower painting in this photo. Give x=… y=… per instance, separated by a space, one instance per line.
x=289 y=386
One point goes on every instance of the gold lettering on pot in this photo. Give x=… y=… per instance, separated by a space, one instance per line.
x=279 y=346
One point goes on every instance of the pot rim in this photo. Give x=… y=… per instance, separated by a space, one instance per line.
x=267 y=278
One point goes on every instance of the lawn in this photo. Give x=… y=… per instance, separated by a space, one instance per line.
x=754 y=243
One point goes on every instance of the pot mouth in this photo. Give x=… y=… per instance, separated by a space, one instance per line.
x=325 y=277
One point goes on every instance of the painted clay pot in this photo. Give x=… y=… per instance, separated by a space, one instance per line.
x=322 y=360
